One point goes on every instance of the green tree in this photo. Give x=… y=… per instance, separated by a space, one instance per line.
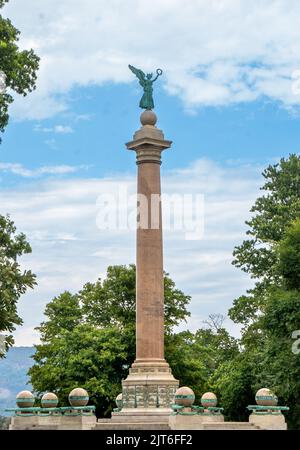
x=280 y=323
x=288 y=256
x=19 y=67
x=14 y=282
x=194 y=357
x=88 y=340
x=86 y=356
x=258 y=256
x=232 y=382
x=270 y=311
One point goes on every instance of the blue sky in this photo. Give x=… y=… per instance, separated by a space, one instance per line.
x=228 y=100
x=101 y=119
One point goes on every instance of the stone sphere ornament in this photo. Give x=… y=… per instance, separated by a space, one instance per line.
x=265 y=397
x=25 y=399
x=148 y=117
x=184 y=396
x=78 y=397
x=119 y=401
x=209 y=400
x=49 y=400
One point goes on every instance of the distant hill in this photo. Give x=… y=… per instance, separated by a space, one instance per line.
x=13 y=375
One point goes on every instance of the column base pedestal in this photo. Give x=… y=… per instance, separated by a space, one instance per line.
x=149 y=388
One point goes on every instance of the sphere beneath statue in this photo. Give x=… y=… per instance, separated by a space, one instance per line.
x=184 y=396
x=209 y=400
x=265 y=397
x=25 y=399
x=78 y=397
x=49 y=400
x=148 y=117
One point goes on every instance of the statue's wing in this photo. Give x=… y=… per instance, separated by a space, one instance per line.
x=139 y=73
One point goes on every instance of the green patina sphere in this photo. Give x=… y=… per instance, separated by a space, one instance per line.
x=78 y=397
x=184 y=396
x=209 y=400
x=25 y=399
x=49 y=400
x=265 y=397
x=119 y=401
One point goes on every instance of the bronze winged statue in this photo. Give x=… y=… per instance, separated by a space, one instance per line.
x=146 y=82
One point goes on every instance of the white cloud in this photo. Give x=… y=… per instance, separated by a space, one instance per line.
x=4 y=393
x=213 y=52
x=83 y=117
x=51 y=143
x=19 y=169
x=26 y=336
x=59 y=217
x=59 y=129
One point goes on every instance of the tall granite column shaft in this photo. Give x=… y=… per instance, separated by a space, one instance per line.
x=150 y=384
x=149 y=261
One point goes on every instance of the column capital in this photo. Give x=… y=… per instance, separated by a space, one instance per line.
x=148 y=150
x=148 y=142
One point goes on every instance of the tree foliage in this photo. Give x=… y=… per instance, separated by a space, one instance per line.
x=281 y=325
x=194 y=357
x=86 y=356
x=14 y=282
x=19 y=66
x=233 y=384
x=288 y=256
x=258 y=256
x=270 y=312
x=88 y=340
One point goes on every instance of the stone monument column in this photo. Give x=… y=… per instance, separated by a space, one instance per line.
x=149 y=257
x=150 y=386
